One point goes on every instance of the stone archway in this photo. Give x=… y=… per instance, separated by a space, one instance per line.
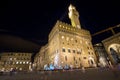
x=114 y=51
x=91 y=62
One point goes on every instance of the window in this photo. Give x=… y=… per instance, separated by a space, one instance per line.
x=76 y=41
x=79 y=51
x=71 y=39
x=67 y=38
x=89 y=53
x=65 y=58
x=74 y=58
x=73 y=51
x=23 y=62
x=87 y=47
x=17 y=62
x=84 y=57
x=27 y=62
x=20 y=62
x=69 y=51
x=62 y=37
x=63 y=50
x=80 y=41
x=76 y=62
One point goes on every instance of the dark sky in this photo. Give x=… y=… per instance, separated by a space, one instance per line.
x=34 y=19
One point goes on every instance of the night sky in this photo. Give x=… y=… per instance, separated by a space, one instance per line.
x=32 y=20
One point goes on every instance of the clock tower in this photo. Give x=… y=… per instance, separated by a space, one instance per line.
x=74 y=16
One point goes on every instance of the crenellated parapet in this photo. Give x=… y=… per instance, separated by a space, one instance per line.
x=64 y=27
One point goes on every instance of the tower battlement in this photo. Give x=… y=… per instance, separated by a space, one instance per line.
x=65 y=27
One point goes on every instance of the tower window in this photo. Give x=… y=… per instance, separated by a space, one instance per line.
x=63 y=50
x=88 y=52
x=76 y=41
x=73 y=51
x=84 y=57
x=69 y=51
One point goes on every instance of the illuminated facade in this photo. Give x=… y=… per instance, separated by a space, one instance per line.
x=112 y=46
x=67 y=45
x=15 y=60
x=41 y=58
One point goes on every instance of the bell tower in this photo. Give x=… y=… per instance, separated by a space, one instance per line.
x=74 y=16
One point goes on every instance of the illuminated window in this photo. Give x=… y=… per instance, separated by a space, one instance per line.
x=20 y=62
x=86 y=42
x=27 y=62
x=80 y=41
x=79 y=51
x=14 y=58
x=62 y=37
x=67 y=38
x=10 y=58
x=17 y=62
x=23 y=62
x=71 y=38
x=66 y=27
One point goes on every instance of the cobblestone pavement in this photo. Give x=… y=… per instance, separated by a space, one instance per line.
x=89 y=74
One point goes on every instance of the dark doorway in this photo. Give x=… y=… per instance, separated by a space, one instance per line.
x=115 y=56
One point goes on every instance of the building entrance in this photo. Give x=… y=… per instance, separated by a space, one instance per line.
x=115 y=56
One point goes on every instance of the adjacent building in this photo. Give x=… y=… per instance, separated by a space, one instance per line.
x=101 y=54
x=15 y=60
x=67 y=45
x=112 y=46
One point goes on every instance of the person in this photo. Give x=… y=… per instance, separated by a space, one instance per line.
x=83 y=69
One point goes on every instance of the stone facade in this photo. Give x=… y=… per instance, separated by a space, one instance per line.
x=67 y=45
